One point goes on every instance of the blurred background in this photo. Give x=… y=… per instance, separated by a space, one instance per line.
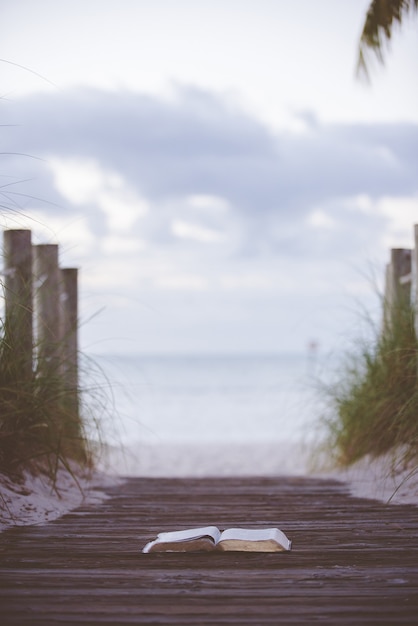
x=230 y=190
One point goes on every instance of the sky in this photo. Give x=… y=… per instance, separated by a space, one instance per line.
x=216 y=170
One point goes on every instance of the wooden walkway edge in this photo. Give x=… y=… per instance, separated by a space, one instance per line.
x=354 y=561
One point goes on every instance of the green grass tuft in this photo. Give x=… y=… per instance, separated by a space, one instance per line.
x=374 y=407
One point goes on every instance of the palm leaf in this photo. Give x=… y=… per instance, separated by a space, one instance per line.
x=378 y=27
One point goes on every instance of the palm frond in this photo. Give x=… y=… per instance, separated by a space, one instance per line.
x=381 y=17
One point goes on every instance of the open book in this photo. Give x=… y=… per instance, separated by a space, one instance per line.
x=211 y=538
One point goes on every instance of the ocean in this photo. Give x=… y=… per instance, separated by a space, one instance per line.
x=210 y=414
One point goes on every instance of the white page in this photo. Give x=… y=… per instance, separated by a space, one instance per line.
x=192 y=533
x=257 y=534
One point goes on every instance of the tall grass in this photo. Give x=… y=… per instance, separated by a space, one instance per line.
x=43 y=426
x=374 y=406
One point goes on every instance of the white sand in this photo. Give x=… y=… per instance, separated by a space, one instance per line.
x=35 y=501
x=385 y=478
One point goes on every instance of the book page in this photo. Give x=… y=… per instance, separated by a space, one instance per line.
x=271 y=538
x=201 y=544
x=192 y=533
x=203 y=538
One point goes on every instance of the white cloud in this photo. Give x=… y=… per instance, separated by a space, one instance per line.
x=121 y=245
x=246 y=281
x=280 y=224
x=84 y=182
x=212 y=203
x=122 y=207
x=78 y=180
x=361 y=202
x=111 y=273
x=182 y=282
x=186 y=230
x=402 y=214
x=319 y=219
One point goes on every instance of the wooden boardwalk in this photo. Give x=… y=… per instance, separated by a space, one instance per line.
x=353 y=561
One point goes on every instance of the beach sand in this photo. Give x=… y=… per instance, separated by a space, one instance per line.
x=36 y=500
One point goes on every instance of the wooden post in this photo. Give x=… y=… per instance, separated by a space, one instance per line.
x=388 y=298
x=68 y=336
x=18 y=299
x=397 y=284
x=402 y=266
x=46 y=282
x=416 y=277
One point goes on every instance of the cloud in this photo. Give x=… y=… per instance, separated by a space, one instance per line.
x=195 y=168
x=196 y=145
x=78 y=181
x=186 y=230
x=85 y=183
x=181 y=282
x=319 y=219
x=204 y=202
x=191 y=198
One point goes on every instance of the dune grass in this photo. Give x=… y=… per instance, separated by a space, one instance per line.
x=44 y=423
x=374 y=406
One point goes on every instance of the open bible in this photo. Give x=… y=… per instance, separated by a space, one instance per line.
x=211 y=538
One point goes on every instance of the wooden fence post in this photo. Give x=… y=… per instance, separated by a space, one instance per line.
x=18 y=299
x=397 y=284
x=68 y=336
x=416 y=277
x=46 y=282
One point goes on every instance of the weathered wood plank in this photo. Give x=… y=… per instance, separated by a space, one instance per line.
x=353 y=561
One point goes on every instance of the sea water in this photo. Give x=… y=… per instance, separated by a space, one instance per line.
x=211 y=414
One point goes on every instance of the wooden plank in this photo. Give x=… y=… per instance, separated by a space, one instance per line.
x=354 y=561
